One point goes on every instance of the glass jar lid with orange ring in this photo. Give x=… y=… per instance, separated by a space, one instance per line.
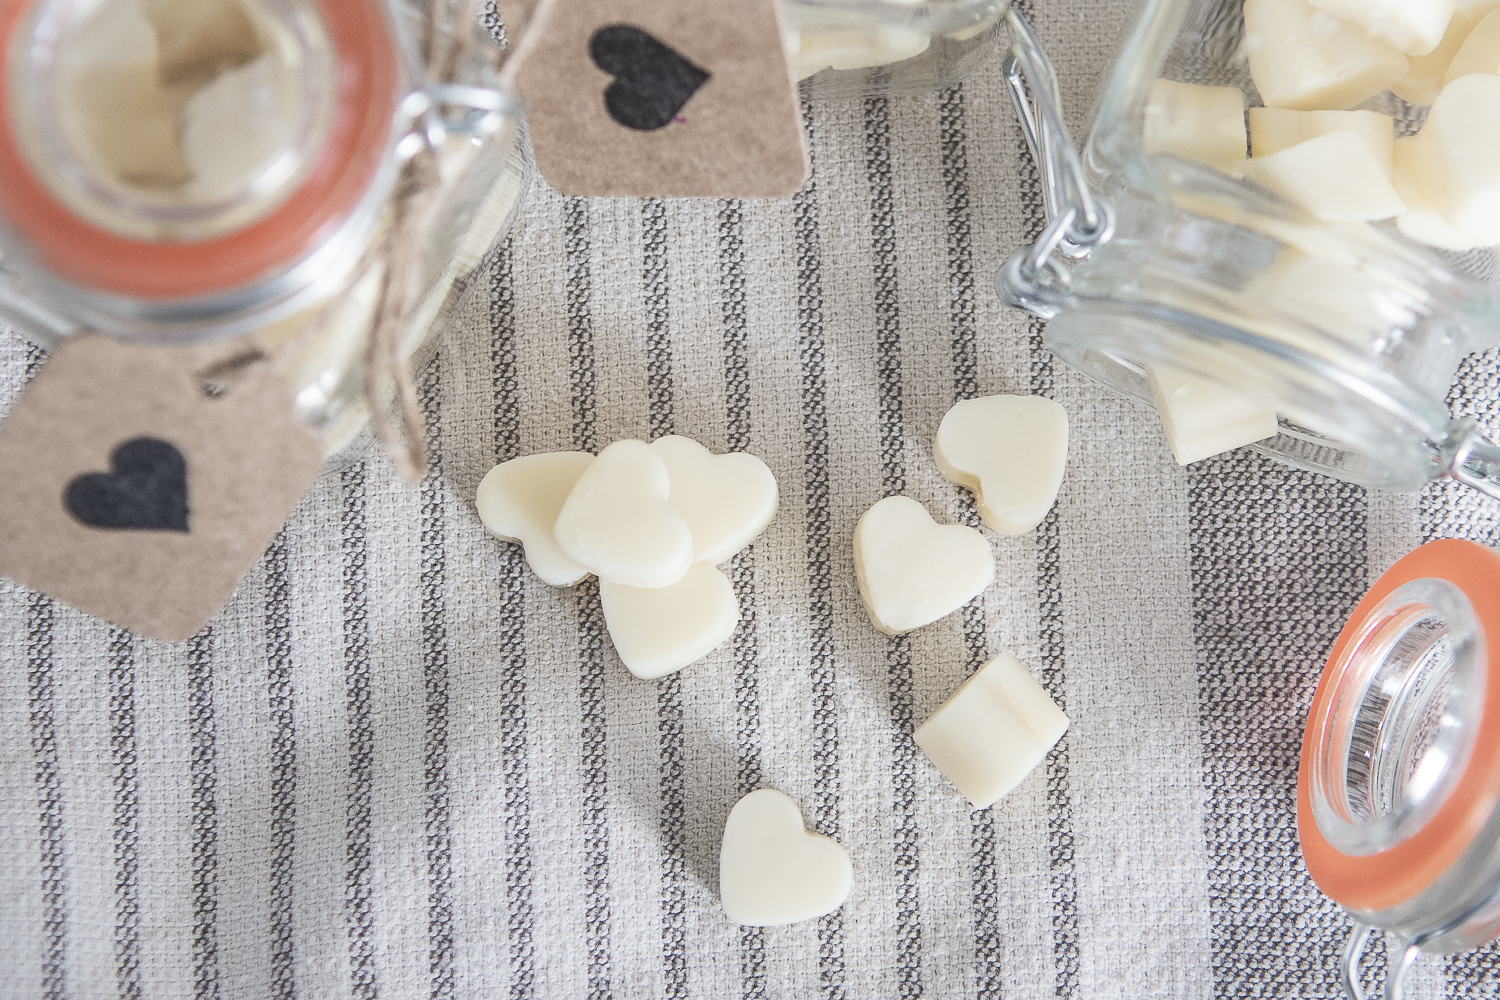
x=1398 y=792
x=180 y=170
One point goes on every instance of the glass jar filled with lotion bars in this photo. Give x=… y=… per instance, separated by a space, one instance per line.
x=181 y=170
x=1279 y=232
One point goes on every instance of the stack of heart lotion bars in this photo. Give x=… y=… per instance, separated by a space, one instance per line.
x=653 y=522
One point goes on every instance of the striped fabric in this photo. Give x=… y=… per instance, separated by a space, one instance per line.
x=399 y=766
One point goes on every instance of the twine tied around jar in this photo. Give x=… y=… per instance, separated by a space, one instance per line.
x=403 y=433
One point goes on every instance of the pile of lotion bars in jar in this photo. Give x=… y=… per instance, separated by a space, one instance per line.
x=1313 y=61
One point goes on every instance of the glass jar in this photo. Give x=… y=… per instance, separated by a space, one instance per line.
x=180 y=170
x=1181 y=265
x=1399 y=783
x=857 y=48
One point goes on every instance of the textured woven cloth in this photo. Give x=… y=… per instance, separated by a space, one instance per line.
x=399 y=766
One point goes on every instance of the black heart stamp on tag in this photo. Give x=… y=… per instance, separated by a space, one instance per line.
x=146 y=488
x=652 y=81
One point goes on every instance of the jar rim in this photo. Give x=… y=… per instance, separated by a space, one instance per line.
x=87 y=255
x=1378 y=881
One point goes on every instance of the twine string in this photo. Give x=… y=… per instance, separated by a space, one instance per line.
x=403 y=433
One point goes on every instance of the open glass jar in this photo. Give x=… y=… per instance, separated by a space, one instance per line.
x=180 y=170
x=1348 y=332
x=1398 y=793
x=857 y=48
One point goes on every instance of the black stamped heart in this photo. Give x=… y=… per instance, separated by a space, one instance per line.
x=145 y=488
x=652 y=80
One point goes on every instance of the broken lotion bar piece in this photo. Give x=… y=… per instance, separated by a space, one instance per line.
x=994 y=730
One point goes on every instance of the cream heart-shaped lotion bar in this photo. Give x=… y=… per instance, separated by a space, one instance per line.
x=660 y=631
x=913 y=571
x=772 y=871
x=1010 y=450
x=617 y=522
x=519 y=501
x=726 y=499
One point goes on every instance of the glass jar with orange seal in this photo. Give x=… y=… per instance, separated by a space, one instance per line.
x=1398 y=793
x=295 y=172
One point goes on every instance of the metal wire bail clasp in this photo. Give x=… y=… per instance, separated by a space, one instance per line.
x=1077 y=222
x=1402 y=957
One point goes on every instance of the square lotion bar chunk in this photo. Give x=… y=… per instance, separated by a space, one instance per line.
x=993 y=731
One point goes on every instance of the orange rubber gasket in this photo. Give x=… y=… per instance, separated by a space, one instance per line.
x=77 y=251
x=1379 y=881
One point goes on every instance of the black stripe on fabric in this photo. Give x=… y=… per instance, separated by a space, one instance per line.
x=1278 y=562
x=203 y=767
x=42 y=708
x=819 y=542
x=591 y=681
x=512 y=646
x=658 y=316
x=737 y=413
x=952 y=132
x=433 y=583
x=361 y=736
x=673 y=819
x=578 y=291
x=283 y=764
x=126 y=813
x=905 y=841
x=1054 y=665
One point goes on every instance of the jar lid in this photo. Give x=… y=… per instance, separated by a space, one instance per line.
x=144 y=156
x=1400 y=766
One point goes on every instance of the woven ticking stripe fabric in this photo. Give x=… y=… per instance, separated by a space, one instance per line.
x=399 y=766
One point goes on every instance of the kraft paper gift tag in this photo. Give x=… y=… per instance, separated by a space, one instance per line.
x=660 y=98
x=137 y=488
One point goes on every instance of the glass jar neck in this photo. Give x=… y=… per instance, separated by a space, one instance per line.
x=1404 y=707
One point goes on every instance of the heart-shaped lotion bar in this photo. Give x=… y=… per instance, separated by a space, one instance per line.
x=1010 y=450
x=617 y=523
x=726 y=499
x=997 y=727
x=660 y=631
x=772 y=871
x=519 y=501
x=913 y=571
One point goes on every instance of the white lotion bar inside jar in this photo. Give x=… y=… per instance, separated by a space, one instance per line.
x=1337 y=177
x=1480 y=51
x=1425 y=75
x=1303 y=58
x=185 y=102
x=119 y=118
x=1414 y=27
x=1451 y=167
x=878 y=45
x=1203 y=418
x=1196 y=122
x=994 y=730
x=1275 y=129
